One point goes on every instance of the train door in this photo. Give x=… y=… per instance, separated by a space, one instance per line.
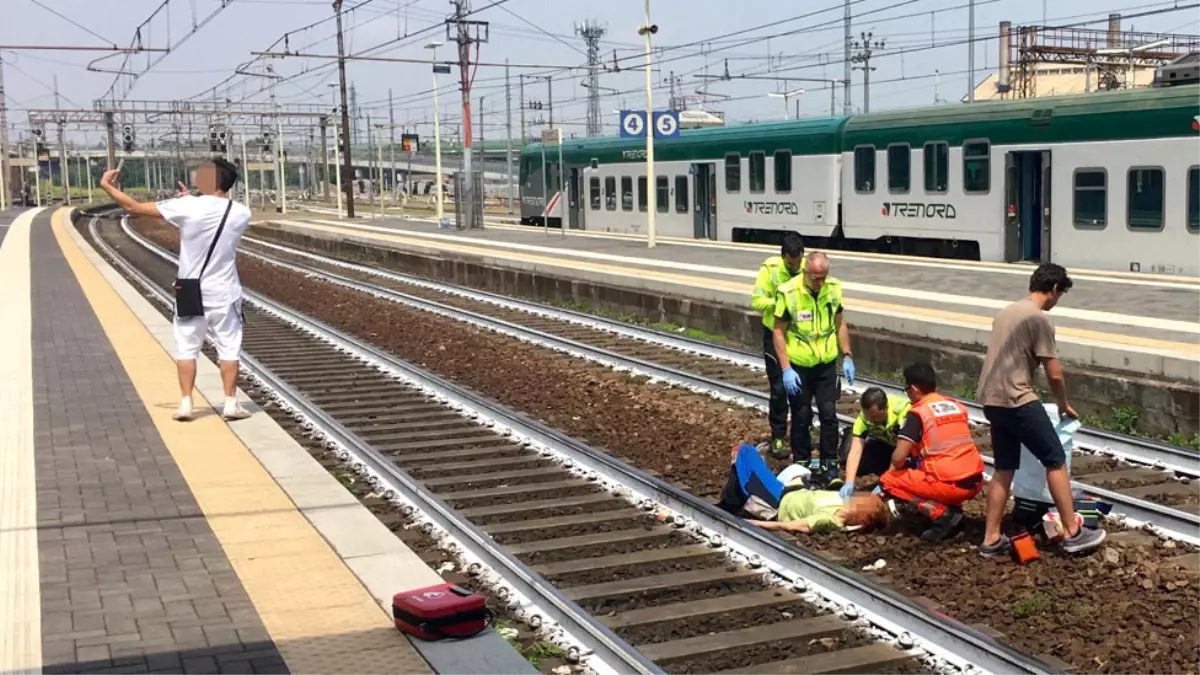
x=1027 y=206
x=574 y=203
x=704 y=216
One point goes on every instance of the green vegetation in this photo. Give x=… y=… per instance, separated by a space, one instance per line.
x=534 y=652
x=694 y=333
x=1182 y=440
x=1084 y=611
x=1125 y=418
x=345 y=477
x=1030 y=605
x=664 y=326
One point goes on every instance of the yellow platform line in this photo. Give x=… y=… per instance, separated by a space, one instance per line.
x=976 y=320
x=318 y=614
x=20 y=577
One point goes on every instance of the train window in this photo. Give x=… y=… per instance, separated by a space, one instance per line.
x=626 y=193
x=643 y=197
x=758 y=172
x=1145 y=197
x=531 y=169
x=662 y=196
x=783 y=171
x=937 y=166
x=1091 y=198
x=899 y=167
x=864 y=169
x=1193 y=197
x=681 y=194
x=733 y=172
x=610 y=194
x=594 y=193
x=976 y=169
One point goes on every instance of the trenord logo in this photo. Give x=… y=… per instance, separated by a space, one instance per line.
x=918 y=210
x=772 y=208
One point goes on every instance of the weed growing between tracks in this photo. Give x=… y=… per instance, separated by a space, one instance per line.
x=1151 y=607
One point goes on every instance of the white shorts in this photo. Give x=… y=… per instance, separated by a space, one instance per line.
x=222 y=325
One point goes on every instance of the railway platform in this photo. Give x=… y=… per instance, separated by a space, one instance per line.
x=131 y=543
x=1138 y=323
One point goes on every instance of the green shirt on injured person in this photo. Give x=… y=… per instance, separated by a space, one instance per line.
x=817 y=507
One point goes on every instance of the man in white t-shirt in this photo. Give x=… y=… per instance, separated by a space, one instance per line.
x=199 y=219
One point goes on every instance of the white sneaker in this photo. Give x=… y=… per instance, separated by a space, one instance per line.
x=235 y=412
x=184 y=413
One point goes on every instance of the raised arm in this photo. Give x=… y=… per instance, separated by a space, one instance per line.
x=132 y=206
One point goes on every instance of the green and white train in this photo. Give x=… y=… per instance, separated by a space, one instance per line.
x=1105 y=181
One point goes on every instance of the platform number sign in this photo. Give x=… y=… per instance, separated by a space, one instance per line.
x=666 y=124
x=633 y=122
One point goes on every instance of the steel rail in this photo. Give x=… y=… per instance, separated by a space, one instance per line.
x=1123 y=446
x=585 y=629
x=1171 y=522
x=606 y=357
x=961 y=645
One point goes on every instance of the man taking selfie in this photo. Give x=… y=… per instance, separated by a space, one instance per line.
x=208 y=294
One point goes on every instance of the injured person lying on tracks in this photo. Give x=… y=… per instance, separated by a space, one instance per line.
x=788 y=503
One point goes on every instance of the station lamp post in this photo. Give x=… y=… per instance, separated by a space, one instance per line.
x=437 y=130
x=646 y=30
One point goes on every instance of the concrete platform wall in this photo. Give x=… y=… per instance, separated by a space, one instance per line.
x=1165 y=406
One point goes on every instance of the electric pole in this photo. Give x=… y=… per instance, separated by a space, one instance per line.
x=62 y=153
x=508 y=151
x=347 y=165
x=592 y=31
x=392 y=142
x=971 y=48
x=866 y=47
x=5 y=174
x=466 y=33
x=521 y=96
x=846 y=108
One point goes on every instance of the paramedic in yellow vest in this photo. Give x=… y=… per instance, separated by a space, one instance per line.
x=775 y=272
x=810 y=334
x=867 y=449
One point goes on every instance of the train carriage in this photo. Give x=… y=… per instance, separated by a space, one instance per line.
x=1104 y=180
x=726 y=183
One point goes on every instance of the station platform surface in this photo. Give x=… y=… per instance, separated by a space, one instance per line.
x=1138 y=323
x=133 y=543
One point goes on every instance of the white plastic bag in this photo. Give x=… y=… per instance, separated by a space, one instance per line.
x=794 y=472
x=1030 y=480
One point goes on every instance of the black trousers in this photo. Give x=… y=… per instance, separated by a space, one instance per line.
x=819 y=382
x=778 y=411
x=876 y=455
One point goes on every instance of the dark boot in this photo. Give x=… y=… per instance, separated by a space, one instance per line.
x=944 y=526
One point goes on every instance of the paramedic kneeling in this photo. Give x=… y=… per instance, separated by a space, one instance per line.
x=868 y=446
x=936 y=466
x=210 y=227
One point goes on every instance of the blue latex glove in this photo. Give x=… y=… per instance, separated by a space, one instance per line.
x=848 y=369
x=791 y=381
x=847 y=490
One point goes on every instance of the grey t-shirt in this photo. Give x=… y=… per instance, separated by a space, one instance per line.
x=1021 y=337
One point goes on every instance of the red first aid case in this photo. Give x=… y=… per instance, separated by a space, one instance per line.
x=442 y=611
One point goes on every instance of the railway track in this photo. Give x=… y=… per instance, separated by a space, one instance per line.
x=610 y=554
x=1146 y=481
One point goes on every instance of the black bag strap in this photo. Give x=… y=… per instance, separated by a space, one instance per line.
x=216 y=236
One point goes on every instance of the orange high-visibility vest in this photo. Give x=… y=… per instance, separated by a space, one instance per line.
x=947 y=449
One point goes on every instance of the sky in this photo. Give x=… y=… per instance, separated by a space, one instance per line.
x=923 y=57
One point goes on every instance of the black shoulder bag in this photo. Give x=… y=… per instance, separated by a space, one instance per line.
x=189 y=300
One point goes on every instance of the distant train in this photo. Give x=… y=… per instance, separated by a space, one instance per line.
x=1104 y=180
